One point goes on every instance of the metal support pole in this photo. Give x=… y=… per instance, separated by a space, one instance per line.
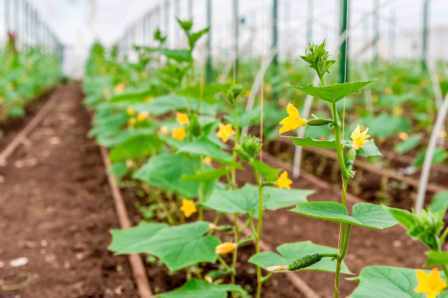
x=425 y=34
x=344 y=47
x=392 y=34
x=7 y=17
x=166 y=20
x=376 y=26
x=274 y=45
x=209 y=63
x=236 y=35
x=176 y=11
x=190 y=9
x=309 y=23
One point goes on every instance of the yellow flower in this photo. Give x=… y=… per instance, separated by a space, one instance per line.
x=397 y=111
x=388 y=91
x=178 y=133
x=131 y=111
x=359 y=137
x=119 y=88
x=142 y=116
x=283 y=181
x=293 y=121
x=403 y=136
x=207 y=160
x=225 y=248
x=163 y=130
x=225 y=132
x=131 y=122
x=182 y=118
x=430 y=283
x=188 y=207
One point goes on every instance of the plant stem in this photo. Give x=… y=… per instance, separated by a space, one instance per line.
x=236 y=233
x=344 y=229
x=259 y=232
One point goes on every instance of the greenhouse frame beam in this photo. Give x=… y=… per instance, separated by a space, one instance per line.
x=209 y=62
x=344 y=46
x=425 y=34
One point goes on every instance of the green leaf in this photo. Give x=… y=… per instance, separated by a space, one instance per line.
x=135 y=148
x=196 y=288
x=384 y=281
x=334 y=93
x=409 y=144
x=207 y=174
x=436 y=258
x=370 y=150
x=439 y=202
x=177 y=246
x=204 y=147
x=245 y=199
x=314 y=143
x=364 y=214
x=289 y=252
x=266 y=171
x=166 y=172
x=439 y=156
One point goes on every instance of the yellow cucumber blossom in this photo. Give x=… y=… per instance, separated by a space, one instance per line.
x=293 y=121
x=119 y=88
x=283 y=181
x=359 y=137
x=163 y=130
x=131 y=111
x=431 y=284
x=131 y=122
x=182 y=118
x=403 y=136
x=225 y=248
x=225 y=132
x=142 y=116
x=178 y=133
x=188 y=208
x=207 y=160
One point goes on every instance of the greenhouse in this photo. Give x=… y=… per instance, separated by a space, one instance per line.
x=223 y=148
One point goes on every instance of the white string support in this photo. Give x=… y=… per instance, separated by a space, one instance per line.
x=258 y=82
x=424 y=178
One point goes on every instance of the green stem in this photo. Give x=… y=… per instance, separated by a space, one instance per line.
x=259 y=233
x=236 y=232
x=344 y=229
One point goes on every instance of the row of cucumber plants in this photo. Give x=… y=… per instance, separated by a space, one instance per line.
x=25 y=74
x=181 y=143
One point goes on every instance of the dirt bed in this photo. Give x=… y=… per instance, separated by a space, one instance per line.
x=57 y=212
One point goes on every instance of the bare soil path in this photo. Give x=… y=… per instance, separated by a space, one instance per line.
x=56 y=211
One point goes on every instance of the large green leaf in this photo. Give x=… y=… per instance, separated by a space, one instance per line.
x=204 y=147
x=245 y=199
x=334 y=93
x=290 y=252
x=313 y=143
x=409 y=144
x=134 y=148
x=383 y=281
x=196 y=288
x=166 y=172
x=364 y=214
x=439 y=202
x=177 y=246
x=168 y=103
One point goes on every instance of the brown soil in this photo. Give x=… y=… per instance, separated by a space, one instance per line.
x=57 y=212
x=11 y=127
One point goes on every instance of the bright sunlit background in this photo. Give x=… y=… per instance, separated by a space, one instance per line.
x=77 y=23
